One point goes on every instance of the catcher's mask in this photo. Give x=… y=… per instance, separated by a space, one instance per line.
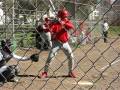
x=6 y=44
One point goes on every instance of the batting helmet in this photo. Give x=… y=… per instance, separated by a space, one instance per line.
x=63 y=13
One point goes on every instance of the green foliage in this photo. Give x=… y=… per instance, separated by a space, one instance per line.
x=25 y=40
x=114 y=30
x=29 y=41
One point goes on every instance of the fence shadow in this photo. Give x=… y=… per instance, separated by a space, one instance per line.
x=27 y=75
x=60 y=76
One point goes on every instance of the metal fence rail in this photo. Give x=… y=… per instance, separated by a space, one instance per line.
x=96 y=63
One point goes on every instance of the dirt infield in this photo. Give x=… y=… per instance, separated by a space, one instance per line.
x=92 y=69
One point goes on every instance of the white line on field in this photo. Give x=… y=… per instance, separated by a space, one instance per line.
x=111 y=64
x=81 y=83
x=84 y=83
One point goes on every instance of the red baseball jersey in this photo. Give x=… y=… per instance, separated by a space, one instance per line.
x=60 y=29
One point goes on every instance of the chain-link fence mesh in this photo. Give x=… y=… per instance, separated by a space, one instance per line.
x=96 y=55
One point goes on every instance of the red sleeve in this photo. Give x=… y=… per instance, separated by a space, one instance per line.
x=56 y=27
x=69 y=25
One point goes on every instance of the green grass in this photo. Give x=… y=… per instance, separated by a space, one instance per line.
x=114 y=30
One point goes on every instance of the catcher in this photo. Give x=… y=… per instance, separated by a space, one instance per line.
x=9 y=72
x=60 y=39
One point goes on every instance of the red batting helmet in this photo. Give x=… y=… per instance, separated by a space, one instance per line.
x=63 y=13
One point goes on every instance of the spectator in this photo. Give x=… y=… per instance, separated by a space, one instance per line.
x=105 y=28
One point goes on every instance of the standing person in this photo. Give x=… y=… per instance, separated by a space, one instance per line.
x=43 y=35
x=105 y=27
x=46 y=28
x=60 y=41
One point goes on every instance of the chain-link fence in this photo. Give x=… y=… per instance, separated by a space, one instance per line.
x=96 y=52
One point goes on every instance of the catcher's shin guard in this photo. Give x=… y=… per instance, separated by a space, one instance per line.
x=14 y=72
x=7 y=73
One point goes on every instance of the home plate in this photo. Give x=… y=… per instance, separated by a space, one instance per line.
x=84 y=83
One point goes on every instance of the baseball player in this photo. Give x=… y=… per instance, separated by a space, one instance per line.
x=105 y=28
x=46 y=28
x=60 y=39
x=44 y=33
x=9 y=72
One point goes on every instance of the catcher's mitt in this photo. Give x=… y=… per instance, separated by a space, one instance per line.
x=34 y=57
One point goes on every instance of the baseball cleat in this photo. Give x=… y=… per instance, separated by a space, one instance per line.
x=72 y=75
x=44 y=75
